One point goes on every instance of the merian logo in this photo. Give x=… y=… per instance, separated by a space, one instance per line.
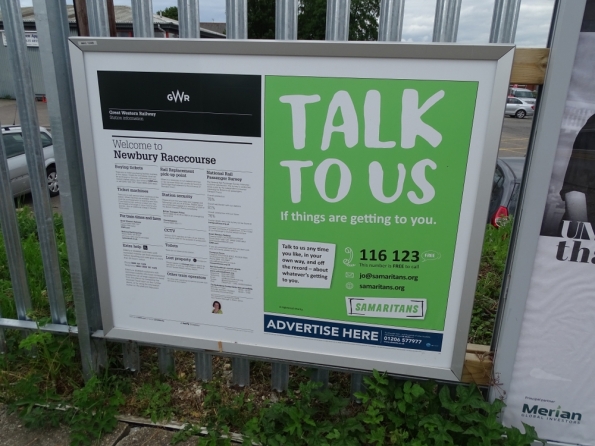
x=177 y=96
x=557 y=414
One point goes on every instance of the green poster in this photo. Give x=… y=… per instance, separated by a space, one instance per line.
x=363 y=189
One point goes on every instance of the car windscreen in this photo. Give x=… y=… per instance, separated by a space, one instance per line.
x=45 y=140
x=13 y=144
x=523 y=94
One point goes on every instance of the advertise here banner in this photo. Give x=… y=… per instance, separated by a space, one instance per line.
x=552 y=385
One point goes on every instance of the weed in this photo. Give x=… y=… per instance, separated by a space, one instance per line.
x=155 y=399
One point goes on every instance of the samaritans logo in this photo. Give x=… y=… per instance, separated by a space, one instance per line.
x=557 y=414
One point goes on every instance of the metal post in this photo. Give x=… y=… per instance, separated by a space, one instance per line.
x=240 y=369
x=446 y=20
x=357 y=385
x=98 y=18
x=142 y=18
x=337 y=19
x=320 y=376
x=12 y=241
x=286 y=25
x=189 y=19
x=280 y=377
x=53 y=29
x=204 y=366
x=131 y=356
x=504 y=21
x=142 y=25
x=166 y=360
x=286 y=19
x=23 y=82
x=390 y=27
x=237 y=19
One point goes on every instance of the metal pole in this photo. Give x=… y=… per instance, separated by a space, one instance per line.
x=189 y=19
x=142 y=25
x=204 y=366
x=504 y=21
x=237 y=19
x=142 y=18
x=320 y=376
x=166 y=360
x=237 y=28
x=131 y=356
x=240 y=369
x=446 y=20
x=98 y=18
x=337 y=19
x=280 y=377
x=23 y=82
x=357 y=385
x=286 y=19
x=390 y=27
x=53 y=29
x=286 y=26
x=12 y=241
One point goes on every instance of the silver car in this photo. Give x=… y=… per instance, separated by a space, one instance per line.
x=518 y=108
x=17 y=164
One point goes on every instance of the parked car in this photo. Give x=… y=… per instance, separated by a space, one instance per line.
x=505 y=189
x=522 y=93
x=17 y=164
x=518 y=108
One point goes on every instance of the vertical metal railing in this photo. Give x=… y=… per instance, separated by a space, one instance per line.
x=142 y=18
x=337 y=19
x=52 y=26
x=504 y=21
x=237 y=28
x=12 y=244
x=143 y=26
x=98 y=18
x=23 y=82
x=236 y=19
x=53 y=29
x=188 y=19
x=446 y=20
x=390 y=25
x=286 y=19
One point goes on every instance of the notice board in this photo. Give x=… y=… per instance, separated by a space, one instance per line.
x=322 y=203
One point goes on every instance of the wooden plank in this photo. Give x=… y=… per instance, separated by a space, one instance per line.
x=478 y=365
x=529 y=65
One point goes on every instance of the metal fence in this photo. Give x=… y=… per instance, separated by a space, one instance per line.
x=53 y=32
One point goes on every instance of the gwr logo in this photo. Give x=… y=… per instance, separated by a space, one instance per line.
x=177 y=96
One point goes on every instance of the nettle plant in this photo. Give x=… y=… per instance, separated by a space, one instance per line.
x=391 y=412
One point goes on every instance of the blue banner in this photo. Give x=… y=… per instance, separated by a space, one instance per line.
x=360 y=334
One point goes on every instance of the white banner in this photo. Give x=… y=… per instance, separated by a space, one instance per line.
x=30 y=38
x=552 y=386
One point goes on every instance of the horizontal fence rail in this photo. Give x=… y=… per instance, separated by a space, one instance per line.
x=529 y=68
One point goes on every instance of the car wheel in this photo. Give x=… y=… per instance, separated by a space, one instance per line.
x=52 y=179
x=520 y=114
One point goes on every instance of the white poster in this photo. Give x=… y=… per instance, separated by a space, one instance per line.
x=214 y=228
x=552 y=386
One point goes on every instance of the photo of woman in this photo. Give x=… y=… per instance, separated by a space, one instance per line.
x=217 y=308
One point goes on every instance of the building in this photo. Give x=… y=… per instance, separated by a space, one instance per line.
x=164 y=28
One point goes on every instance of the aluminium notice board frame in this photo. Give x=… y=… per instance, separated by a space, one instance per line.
x=242 y=195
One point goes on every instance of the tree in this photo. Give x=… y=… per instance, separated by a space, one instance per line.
x=363 y=19
x=170 y=12
x=261 y=19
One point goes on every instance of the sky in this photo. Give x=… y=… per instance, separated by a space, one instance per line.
x=474 y=24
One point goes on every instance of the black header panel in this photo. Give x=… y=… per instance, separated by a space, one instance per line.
x=209 y=104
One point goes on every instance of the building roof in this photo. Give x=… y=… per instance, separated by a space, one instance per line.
x=124 y=16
